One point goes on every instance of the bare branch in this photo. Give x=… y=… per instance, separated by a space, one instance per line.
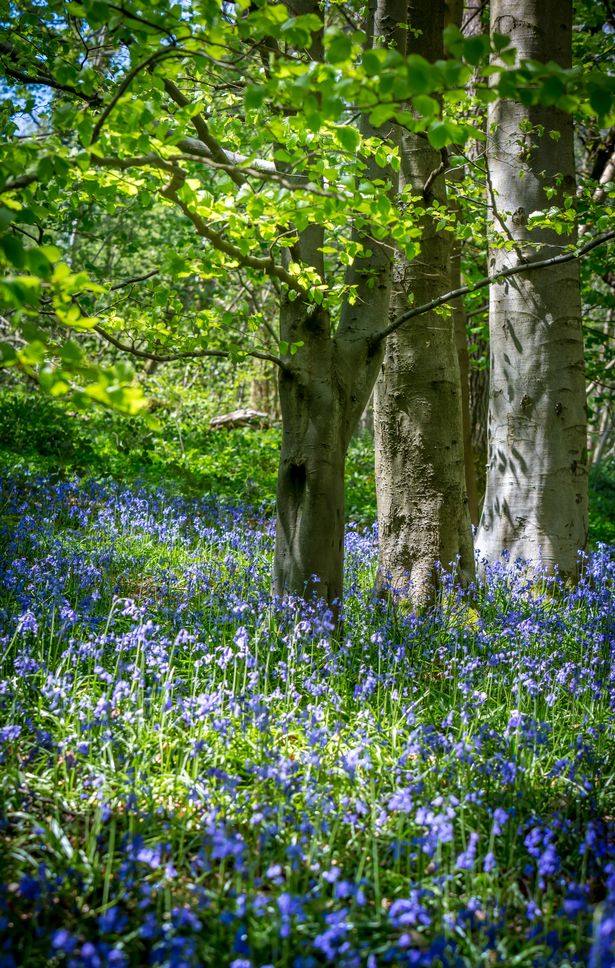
x=442 y=167
x=448 y=297
x=44 y=80
x=259 y=168
x=130 y=282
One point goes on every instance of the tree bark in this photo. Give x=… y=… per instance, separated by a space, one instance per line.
x=327 y=383
x=423 y=517
x=321 y=403
x=478 y=403
x=463 y=360
x=536 y=499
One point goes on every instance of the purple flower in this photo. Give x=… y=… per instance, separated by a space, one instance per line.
x=409 y=912
x=63 y=941
x=466 y=860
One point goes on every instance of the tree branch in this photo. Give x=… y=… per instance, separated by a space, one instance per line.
x=201 y=127
x=158 y=55
x=187 y=355
x=44 y=80
x=267 y=265
x=22 y=181
x=130 y=282
x=487 y=281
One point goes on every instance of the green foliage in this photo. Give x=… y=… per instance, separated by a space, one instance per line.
x=108 y=130
x=602 y=502
x=175 y=447
x=240 y=465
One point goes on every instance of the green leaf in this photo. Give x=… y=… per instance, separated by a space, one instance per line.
x=13 y=249
x=475 y=48
x=348 y=137
x=382 y=114
x=600 y=101
x=425 y=105
x=71 y=352
x=8 y=356
x=6 y=217
x=33 y=353
x=372 y=62
x=453 y=40
x=338 y=47
x=441 y=133
x=422 y=76
x=500 y=41
x=254 y=96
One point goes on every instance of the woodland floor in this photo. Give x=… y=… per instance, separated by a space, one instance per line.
x=193 y=774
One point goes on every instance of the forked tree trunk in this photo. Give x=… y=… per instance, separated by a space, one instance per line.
x=423 y=518
x=327 y=384
x=536 y=498
x=321 y=399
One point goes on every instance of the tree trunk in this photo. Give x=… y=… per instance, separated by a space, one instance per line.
x=423 y=518
x=478 y=403
x=463 y=360
x=327 y=384
x=321 y=399
x=479 y=414
x=536 y=498
x=309 y=553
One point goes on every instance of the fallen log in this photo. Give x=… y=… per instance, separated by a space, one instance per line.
x=240 y=418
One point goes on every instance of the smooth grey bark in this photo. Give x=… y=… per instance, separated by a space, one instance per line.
x=326 y=385
x=463 y=359
x=478 y=403
x=536 y=498
x=423 y=518
x=321 y=403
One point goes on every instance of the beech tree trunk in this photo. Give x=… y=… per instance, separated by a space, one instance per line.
x=327 y=383
x=423 y=517
x=321 y=404
x=463 y=359
x=536 y=498
x=478 y=403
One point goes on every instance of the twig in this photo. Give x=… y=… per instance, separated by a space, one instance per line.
x=129 y=282
x=158 y=55
x=435 y=173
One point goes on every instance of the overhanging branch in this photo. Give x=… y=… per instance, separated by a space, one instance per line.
x=448 y=297
x=267 y=265
x=186 y=355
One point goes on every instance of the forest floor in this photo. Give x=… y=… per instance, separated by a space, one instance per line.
x=193 y=774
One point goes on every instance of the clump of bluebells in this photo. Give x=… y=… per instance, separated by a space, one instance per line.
x=194 y=774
